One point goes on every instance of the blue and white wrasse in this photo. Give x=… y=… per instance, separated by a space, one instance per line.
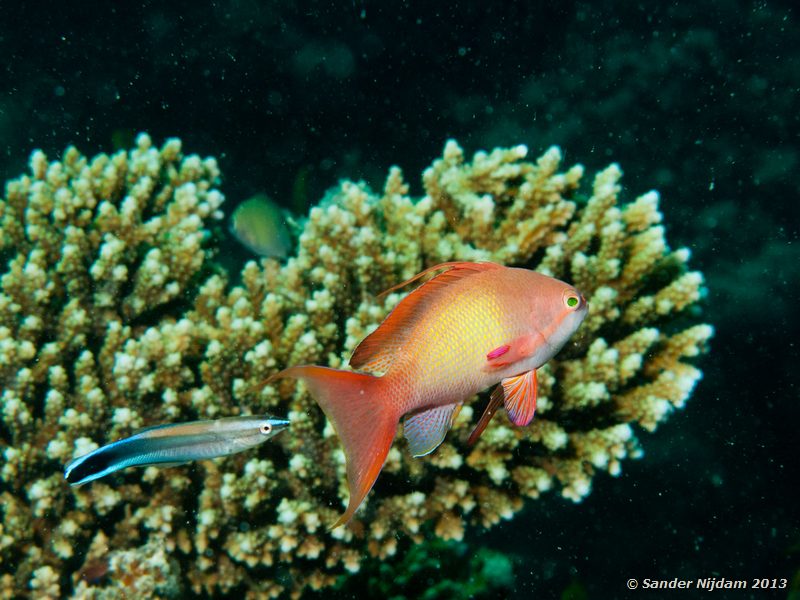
x=169 y=445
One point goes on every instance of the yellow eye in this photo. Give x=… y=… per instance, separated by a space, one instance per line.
x=266 y=428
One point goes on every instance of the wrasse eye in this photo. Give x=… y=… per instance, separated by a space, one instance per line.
x=572 y=301
x=265 y=428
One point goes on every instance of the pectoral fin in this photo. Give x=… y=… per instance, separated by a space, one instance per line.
x=426 y=430
x=518 y=349
x=519 y=397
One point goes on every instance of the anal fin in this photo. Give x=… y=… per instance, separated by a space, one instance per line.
x=426 y=429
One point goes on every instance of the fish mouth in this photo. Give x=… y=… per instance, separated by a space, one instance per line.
x=279 y=424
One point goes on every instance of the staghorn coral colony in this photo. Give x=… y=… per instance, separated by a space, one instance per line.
x=114 y=316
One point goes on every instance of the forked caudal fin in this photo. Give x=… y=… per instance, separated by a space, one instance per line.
x=362 y=418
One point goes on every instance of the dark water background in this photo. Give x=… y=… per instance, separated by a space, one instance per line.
x=699 y=100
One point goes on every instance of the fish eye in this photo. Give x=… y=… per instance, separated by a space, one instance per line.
x=572 y=301
x=265 y=428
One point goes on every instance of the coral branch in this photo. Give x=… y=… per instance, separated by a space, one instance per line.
x=113 y=316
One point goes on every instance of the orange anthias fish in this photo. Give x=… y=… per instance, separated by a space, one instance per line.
x=470 y=326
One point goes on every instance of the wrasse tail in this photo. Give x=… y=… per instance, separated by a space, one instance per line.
x=363 y=419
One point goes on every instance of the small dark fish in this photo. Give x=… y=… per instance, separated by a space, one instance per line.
x=169 y=445
x=261 y=225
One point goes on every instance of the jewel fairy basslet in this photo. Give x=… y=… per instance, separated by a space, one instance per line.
x=470 y=326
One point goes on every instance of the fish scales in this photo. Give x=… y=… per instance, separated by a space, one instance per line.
x=447 y=348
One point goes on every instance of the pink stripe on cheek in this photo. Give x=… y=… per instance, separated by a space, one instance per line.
x=498 y=352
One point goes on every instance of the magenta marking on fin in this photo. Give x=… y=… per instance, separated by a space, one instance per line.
x=499 y=351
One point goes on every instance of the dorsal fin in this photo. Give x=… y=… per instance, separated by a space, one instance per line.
x=420 y=275
x=376 y=352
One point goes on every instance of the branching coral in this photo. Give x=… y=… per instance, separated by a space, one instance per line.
x=107 y=325
x=98 y=256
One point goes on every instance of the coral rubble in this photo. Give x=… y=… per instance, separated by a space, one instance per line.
x=113 y=316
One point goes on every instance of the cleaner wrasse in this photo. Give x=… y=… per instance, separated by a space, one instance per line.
x=174 y=444
x=470 y=326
